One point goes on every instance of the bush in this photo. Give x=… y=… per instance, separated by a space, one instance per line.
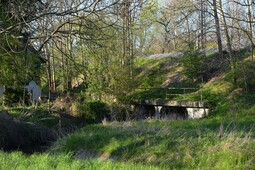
x=194 y=67
x=15 y=96
x=118 y=112
x=244 y=75
x=90 y=112
x=99 y=110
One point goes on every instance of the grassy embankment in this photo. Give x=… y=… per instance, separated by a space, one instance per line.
x=224 y=140
x=209 y=143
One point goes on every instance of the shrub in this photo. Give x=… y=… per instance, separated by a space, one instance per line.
x=194 y=66
x=15 y=96
x=244 y=75
x=90 y=112
x=99 y=110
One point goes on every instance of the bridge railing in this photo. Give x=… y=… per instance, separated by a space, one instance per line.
x=172 y=92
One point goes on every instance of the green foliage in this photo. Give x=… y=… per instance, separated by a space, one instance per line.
x=141 y=62
x=244 y=75
x=81 y=110
x=153 y=79
x=194 y=67
x=17 y=67
x=99 y=110
x=90 y=112
x=107 y=70
x=122 y=84
x=15 y=96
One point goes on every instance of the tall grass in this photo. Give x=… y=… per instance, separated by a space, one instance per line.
x=176 y=144
x=18 y=161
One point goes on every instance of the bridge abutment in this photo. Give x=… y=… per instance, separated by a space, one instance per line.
x=196 y=113
x=157 y=111
x=173 y=110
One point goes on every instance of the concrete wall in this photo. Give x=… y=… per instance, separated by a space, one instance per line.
x=173 y=113
x=196 y=113
x=170 y=112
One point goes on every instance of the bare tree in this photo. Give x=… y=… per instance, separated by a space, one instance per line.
x=226 y=31
x=217 y=27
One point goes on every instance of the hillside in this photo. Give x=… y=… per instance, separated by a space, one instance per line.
x=223 y=140
x=127 y=84
x=210 y=75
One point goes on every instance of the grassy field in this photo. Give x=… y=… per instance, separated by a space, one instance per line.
x=191 y=144
x=214 y=143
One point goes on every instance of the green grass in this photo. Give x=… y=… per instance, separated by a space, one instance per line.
x=214 y=143
x=151 y=74
x=41 y=115
x=19 y=161
x=191 y=144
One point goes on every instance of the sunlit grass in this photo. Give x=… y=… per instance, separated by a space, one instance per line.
x=173 y=144
x=19 y=161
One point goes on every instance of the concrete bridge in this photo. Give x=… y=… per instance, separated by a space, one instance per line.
x=172 y=109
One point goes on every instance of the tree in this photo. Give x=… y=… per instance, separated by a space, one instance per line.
x=177 y=24
x=248 y=19
x=217 y=27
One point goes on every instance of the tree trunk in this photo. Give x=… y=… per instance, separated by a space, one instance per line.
x=53 y=84
x=48 y=69
x=202 y=26
x=230 y=51
x=217 y=26
x=250 y=26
